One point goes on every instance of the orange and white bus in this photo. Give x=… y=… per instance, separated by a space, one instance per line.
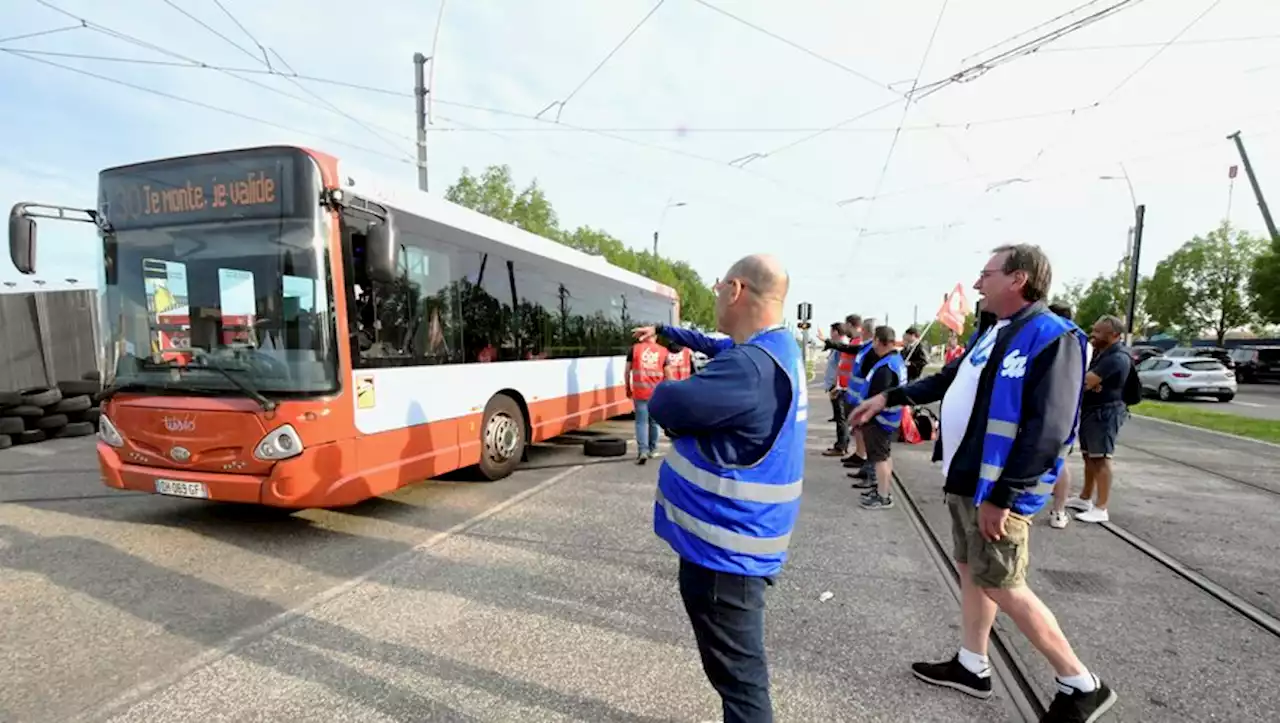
x=284 y=330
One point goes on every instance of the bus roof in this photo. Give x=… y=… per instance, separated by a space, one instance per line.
x=407 y=198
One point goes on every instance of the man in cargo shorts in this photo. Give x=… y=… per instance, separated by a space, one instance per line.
x=1008 y=406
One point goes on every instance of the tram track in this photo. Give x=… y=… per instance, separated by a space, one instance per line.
x=1200 y=468
x=1009 y=670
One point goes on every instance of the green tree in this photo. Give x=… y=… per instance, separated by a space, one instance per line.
x=1106 y=294
x=1205 y=284
x=1264 y=285
x=494 y=194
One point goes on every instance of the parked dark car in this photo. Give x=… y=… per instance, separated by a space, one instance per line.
x=1256 y=363
x=1142 y=352
x=1216 y=352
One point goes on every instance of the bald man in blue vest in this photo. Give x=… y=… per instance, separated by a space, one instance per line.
x=729 y=490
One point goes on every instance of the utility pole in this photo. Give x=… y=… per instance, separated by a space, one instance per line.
x=1257 y=190
x=420 y=96
x=655 y=244
x=1140 y=214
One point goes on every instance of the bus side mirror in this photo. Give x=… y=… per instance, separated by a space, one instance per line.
x=22 y=239
x=380 y=250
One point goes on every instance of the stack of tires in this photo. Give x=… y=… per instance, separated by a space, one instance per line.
x=33 y=415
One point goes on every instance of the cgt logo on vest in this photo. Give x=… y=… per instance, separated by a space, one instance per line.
x=1014 y=365
x=179 y=424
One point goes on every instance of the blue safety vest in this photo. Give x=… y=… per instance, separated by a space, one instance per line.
x=1005 y=414
x=889 y=419
x=738 y=519
x=857 y=385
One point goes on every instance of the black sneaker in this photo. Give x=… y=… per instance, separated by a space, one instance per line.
x=863 y=483
x=853 y=460
x=874 y=501
x=1079 y=707
x=641 y=459
x=952 y=674
x=863 y=473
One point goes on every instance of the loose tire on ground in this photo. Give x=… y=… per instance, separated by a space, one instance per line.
x=52 y=421
x=30 y=436
x=502 y=438
x=41 y=396
x=11 y=425
x=75 y=429
x=5 y=441
x=604 y=447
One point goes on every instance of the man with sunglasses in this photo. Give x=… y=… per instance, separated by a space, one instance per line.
x=729 y=490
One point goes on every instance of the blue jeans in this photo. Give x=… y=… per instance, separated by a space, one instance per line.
x=647 y=432
x=727 y=614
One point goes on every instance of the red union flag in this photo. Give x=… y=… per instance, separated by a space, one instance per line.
x=955 y=307
x=1231 y=172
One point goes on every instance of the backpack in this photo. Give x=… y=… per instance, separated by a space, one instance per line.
x=1132 y=393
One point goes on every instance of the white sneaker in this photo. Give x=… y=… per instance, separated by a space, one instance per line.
x=1096 y=514
x=1058 y=520
x=1079 y=504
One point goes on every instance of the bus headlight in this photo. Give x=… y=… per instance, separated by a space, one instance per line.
x=108 y=433
x=280 y=443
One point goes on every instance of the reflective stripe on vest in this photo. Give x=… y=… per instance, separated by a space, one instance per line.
x=889 y=419
x=738 y=519
x=1005 y=413
x=857 y=385
x=648 y=361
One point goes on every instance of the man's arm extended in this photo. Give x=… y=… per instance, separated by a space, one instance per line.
x=695 y=340
x=1049 y=400
x=843 y=347
x=713 y=398
x=927 y=390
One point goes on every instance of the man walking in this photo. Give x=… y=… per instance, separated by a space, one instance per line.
x=729 y=491
x=1102 y=414
x=1009 y=410
x=646 y=368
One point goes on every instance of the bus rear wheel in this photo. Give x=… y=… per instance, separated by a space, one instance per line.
x=502 y=438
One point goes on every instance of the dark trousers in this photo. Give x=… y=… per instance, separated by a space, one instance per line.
x=727 y=613
x=841 y=410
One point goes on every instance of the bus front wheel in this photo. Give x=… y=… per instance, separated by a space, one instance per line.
x=502 y=438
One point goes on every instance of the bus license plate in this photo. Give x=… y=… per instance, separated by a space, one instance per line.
x=182 y=489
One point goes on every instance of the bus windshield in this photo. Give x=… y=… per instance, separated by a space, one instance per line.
x=232 y=307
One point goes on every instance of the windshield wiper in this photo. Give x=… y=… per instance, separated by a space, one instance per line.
x=111 y=391
x=257 y=396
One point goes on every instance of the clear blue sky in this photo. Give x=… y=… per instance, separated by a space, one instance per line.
x=703 y=89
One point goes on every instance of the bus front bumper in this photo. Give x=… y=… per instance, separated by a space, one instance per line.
x=294 y=483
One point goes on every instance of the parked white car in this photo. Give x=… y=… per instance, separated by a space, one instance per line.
x=1173 y=377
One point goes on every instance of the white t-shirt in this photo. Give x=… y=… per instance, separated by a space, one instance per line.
x=957 y=404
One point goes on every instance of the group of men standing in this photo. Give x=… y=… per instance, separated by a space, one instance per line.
x=728 y=492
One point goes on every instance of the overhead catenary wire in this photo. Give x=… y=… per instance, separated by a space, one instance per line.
x=564 y=101
x=1032 y=29
x=192 y=62
x=41 y=33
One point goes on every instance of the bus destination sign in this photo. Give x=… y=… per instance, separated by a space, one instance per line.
x=200 y=192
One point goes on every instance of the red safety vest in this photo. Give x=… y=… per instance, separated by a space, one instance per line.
x=681 y=365
x=648 y=369
x=844 y=371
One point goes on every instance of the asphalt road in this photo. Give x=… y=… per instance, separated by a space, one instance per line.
x=1261 y=401
x=546 y=597
x=542 y=597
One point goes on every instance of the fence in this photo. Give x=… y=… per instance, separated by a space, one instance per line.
x=47 y=337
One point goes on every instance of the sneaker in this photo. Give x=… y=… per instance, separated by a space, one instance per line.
x=1078 y=707
x=1097 y=514
x=863 y=473
x=1079 y=505
x=853 y=460
x=1058 y=520
x=833 y=452
x=641 y=459
x=952 y=674
x=874 y=501
x=863 y=483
